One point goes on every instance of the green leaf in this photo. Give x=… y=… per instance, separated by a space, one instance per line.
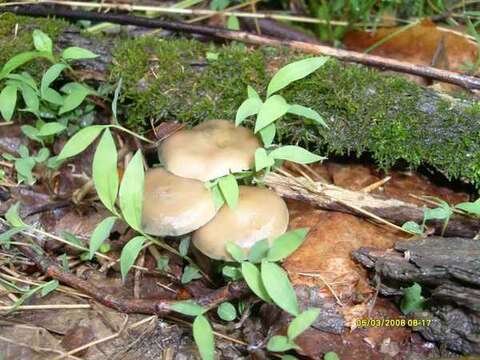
x=307 y=113
x=50 y=76
x=51 y=128
x=252 y=276
x=294 y=71
x=230 y=191
x=72 y=239
x=8 y=100
x=30 y=132
x=439 y=213
x=211 y=56
x=249 y=107
x=232 y=272
x=100 y=234
x=258 y=251
x=49 y=287
x=288 y=357
x=6 y=235
x=42 y=155
x=203 y=335
x=162 y=263
x=295 y=154
x=280 y=344
x=226 y=311
x=184 y=245
x=190 y=273
x=13 y=218
x=331 y=356
x=272 y=109
x=80 y=141
x=19 y=60
x=470 y=207
x=278 y=287
x=262 y=160
x=30 y=98
x=131 y=192
x=252 y=93
x=188 y=307
x=115 y=100
x=302 y=322
x=77 y=53
x=235 y=251
x=53 y=97
x=413 y=228
x=42 y=41
x=268 y=134
x=74 y=99
x=24 y=169
x=129 y=254
x=25 y=78
x=233 y=23
x=104 y=171
x=218 y=199
x=286 y=244
x=412 y=299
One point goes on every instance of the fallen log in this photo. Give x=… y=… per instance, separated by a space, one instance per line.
x=375 y=207
x=448 y=270
x=388 y=117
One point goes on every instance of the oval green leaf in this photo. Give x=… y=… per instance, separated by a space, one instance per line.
x=235 y=251
x=226 y=311
x=295 y=154
x=286 y=244
x=272 y=109
x=258 y=251
x=279 y=288
x=268 y=134
x=249 y=107
x=188 y=307
x=104 y=171
x=203 y=335
x=131 y=192
x=42 y=41
x=74 y=99
x=129 y=254
x=262 y=160
x=51 y=128
x=50 y=76
x=77 y=53
x=280 y=344
x=294 y=71
x=8 y=100
x=80 y=141
x=252 y=276
x=302 y=322
x=230 y=191
x=307 y=113
x=100 y=234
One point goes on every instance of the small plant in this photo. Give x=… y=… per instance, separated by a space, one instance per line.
x=26 y=162
x=41 y=99
x=471 y=208
x=268 y=113
x=443 y=212
x=412 y=299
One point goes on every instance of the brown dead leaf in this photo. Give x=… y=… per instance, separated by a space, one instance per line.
x=423 y=44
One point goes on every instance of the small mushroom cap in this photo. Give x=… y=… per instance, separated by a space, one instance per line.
x=260 y=214
x=209 y=150
x=174 y=206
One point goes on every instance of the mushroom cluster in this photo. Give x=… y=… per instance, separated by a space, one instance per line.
x=177 y=201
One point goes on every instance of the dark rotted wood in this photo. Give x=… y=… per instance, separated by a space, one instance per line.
x=448 y=269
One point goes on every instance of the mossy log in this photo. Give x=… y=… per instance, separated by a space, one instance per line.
x=385 y=116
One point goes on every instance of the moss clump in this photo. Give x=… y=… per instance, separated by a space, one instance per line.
x=16 y=33
x=387 y=116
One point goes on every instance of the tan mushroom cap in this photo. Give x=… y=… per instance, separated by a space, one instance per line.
x=260 y=214
x=173 y=205
x=209 y=150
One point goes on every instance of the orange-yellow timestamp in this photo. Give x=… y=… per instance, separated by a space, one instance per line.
x=370 y=323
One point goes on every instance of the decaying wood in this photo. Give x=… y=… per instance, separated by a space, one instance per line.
x=447 y=269
x=331 y=197
x=50 y=268
x=468 y=82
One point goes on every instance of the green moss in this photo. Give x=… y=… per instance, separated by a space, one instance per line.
x=386 y=116
x=16 y=37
